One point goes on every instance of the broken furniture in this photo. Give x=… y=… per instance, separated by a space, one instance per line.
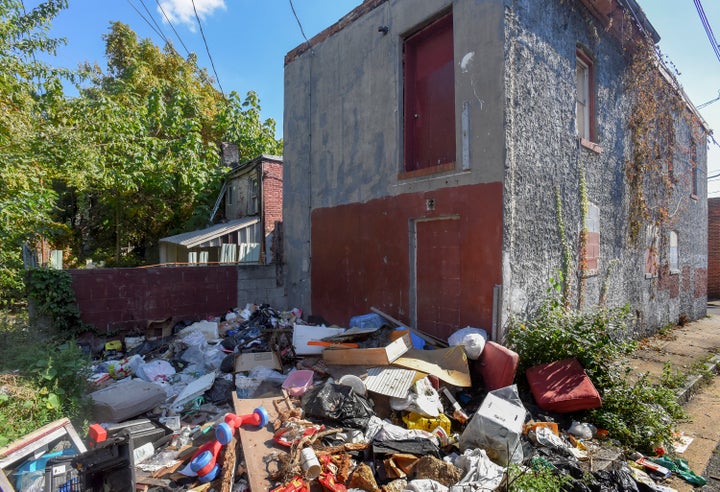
x=36 y=443
x=562 y=386
x=496 y=366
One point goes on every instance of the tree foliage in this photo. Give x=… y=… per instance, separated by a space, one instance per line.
x=28 y=91
x=133 y=157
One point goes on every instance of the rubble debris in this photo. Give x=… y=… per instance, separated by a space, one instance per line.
x=247 y=401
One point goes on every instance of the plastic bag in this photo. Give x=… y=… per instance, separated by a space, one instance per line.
x=480 y=472
x=473 y=339
x=155 y=370
x=338 y=403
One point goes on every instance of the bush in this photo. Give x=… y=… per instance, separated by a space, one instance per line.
x=39 y=381
x=639 y=415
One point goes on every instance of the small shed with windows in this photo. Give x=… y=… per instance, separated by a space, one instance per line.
x=236 y=241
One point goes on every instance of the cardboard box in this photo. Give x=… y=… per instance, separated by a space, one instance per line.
x=247 y=362
x=381 y=356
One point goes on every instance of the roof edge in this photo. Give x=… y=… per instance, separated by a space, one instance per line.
x=346 y=20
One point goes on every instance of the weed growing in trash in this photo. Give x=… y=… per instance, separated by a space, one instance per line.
x=535 y=479
x=637 y=414
x=40 y=380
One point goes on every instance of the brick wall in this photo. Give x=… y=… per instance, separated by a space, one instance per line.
x=272 y=194
x=713 y=271
x=127 y=298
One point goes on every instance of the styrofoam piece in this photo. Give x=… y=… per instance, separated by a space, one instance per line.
x=302 y=334
x=195 y=388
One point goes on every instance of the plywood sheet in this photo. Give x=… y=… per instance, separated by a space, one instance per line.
x=256 y=443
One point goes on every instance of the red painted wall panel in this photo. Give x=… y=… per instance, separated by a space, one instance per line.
x=126 y=298
x=361 y=253
x=713 y=271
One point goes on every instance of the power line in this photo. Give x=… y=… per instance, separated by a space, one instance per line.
x=708 y=103
x=202 y=33
x=147 y=21
x=187 y=51
x=302 y=31
x=152 y=18
x=708 y=29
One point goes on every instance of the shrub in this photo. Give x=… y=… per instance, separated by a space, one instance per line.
x=639 y=415
x=39 y=381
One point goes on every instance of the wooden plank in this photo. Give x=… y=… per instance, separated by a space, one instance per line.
x=256 y=443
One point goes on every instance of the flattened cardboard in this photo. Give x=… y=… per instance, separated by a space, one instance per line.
x=381 y=356
x=449 y=365
x=247 y=362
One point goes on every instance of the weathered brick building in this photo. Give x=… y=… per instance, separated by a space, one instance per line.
x=713 y=282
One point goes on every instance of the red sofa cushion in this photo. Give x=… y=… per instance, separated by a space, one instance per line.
x=562 y=386
x=497 y=366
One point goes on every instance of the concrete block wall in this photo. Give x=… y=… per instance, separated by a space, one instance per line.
x=261 y=284
x=127 y=298
x=713 y=272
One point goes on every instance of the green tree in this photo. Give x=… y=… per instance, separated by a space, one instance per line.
x=29 y=90
x=147 y=163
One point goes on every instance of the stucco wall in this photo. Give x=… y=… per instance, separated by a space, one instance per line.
x=544 y=156
x=343 y=115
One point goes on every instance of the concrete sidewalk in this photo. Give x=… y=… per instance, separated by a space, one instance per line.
x=691 y=350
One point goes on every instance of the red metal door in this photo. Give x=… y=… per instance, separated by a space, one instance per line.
x=438 y=276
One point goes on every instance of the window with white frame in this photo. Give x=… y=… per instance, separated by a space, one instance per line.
x=585 y=126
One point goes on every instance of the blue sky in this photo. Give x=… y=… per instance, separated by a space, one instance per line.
x=248 y=40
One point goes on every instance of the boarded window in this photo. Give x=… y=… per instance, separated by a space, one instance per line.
x=651 y=252
x=673 y=257
x=592 y=240
x=429 y=96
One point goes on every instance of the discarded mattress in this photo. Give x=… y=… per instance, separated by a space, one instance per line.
x=125 y=400
x=562 y=386
x=496 y=366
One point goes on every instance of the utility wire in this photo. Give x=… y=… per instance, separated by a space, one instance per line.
x=708 y=29
x=202 y=33
x=147 y=21
x=187 y=51
x=708 y=103
x=152 y=18
x=302 y=31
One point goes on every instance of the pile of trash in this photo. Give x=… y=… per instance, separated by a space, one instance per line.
x=258 y=399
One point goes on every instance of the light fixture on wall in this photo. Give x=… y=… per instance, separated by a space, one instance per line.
x=384 y=29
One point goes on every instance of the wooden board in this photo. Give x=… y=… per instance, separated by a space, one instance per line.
x=257 y=443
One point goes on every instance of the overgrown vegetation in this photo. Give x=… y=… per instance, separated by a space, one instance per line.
x=40 y=380
x=132 y=158
x=638 y=414
x=54 y=298
x=535 y=479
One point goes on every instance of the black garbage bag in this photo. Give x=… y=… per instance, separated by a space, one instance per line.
x=228 y=364
x=338 y=403
x=220 y=392
x=616 y=481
